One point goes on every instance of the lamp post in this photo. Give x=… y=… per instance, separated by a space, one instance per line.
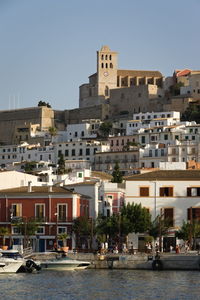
x=11 y=219
x=56 y=235
x=155 y=199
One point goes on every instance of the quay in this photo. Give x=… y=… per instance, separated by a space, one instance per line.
x=138 y=261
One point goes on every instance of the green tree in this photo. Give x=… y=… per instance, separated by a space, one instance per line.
x=131 y=218
x=105 y=129
x=63 y=237
x=43 y=103
x=130 y=145
x=117 y=175
x=192 y=113
x=52 y=131
x=3 y=232
x=27 y=228
x=137 y=218
x=189 y=232
x=61 y=165
x=29 y=166
x=84 y=229
x=175 y=88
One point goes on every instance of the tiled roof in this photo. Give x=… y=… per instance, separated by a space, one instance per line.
x=101 y=175
x=37 y=190
x=139 y=73
x=168 y=175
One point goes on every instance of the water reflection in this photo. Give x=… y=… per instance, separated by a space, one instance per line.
x=101 y=285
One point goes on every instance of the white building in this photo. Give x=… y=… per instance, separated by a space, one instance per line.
x=170 y=194
x=10 y=154
x=81 y=150
x=150 y=120
x=12 y=179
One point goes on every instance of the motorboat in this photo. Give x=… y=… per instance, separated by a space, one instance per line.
x=64 y=263
x=10 y=261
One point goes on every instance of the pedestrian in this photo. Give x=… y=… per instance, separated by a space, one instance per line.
x=171 y=248
x=106 y=246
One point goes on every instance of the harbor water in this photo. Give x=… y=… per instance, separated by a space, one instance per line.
x=101 y=285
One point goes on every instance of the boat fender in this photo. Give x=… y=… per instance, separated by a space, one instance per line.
x=157 y=265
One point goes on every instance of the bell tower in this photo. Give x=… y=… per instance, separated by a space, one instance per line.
x=106 y=71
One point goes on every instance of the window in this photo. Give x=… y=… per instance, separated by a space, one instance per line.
x=169 y=216
x=82 y=133
x=143 y=139
x=194 y=213
x=162 y=152
x=73 y=152
x=156 y=152
x=166 y=137
x=15 y=230
x=87 y=151
x=76 y=134
x=166 y=192
x=144 y=191
x=39 y=210
x=17 y=210
x=62 y=212
x=193 y=191
x=40 y=230
x=66 y=152
x=62 y=230
x=81 y=152
x=59 y=152
x=80 y=175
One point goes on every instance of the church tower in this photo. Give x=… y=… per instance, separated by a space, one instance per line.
x=106 y=71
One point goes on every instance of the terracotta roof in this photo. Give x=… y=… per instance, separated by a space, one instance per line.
x=168 y=175
x=101 y=175
x=139 y=73
x=37 y=190
x=91 y=182
x=182 y=72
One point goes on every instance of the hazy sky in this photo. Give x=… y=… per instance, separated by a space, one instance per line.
x=48 y=47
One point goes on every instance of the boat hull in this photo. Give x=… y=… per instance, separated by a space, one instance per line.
x=10 y=267
x=64 y=266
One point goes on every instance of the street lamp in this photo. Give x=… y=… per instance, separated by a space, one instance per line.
x=155 y=199
x=11 y=219
x=56 y=235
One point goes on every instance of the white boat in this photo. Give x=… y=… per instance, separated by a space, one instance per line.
x=10 y=261
x=64 y=263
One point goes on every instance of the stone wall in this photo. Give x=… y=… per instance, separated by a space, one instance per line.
x=12 y=119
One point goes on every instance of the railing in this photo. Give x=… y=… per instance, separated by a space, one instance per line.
x=27 y=252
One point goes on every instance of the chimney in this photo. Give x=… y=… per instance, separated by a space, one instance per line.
x=50 y=189
x=29 y=186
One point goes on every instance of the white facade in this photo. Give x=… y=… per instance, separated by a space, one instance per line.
x=81 y=150
x=10 y=154
x=164 y=192
x=12 y=179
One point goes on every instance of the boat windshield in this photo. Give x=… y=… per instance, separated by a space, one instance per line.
x=14 y=255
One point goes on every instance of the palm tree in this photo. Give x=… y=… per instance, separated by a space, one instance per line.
x=52 y=132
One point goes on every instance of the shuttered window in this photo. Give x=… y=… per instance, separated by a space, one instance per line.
x=193 y=191
x=195 y=212
x=144 y=191
x=169 y=216
x=166 y=192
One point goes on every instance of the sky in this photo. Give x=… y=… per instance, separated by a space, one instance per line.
x=48 y=47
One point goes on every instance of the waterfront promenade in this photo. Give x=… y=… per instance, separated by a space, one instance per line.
x=139 y=261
